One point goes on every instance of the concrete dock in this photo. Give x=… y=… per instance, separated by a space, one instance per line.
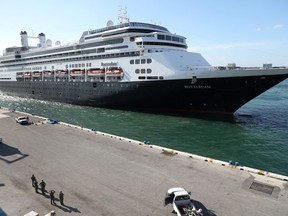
x=101 y=174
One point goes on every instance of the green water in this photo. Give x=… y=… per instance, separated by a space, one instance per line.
x=256 y=137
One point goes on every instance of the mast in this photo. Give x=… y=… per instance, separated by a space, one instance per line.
x=123 y=17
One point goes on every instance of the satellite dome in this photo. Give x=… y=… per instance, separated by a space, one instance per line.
x=109 y=23
x=57 y=43
x=48 y=43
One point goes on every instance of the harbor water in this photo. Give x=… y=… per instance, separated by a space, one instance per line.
x=257 y=136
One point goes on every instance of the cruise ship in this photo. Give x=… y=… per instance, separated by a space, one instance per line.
x=130 y=65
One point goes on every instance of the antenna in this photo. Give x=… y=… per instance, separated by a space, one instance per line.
x=122 y=17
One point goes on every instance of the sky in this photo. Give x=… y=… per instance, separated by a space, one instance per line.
x=245 y=32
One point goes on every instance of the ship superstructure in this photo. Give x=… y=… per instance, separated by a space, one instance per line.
x=131 y=65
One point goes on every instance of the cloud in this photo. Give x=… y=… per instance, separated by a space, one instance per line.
x=278 y=26
x=258 y=29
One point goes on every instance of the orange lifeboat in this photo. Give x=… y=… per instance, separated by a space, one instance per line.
x=48 y=73
x=37 y=74
x=95 y=72
x=61 y=73
x=114 y=71
x=27 y=74
x=77 y=72
x=19 y=75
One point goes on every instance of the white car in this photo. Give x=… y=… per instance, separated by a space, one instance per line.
x=23 y=120
x=181 y=201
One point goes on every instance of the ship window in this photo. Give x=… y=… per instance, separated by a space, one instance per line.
x=149 y=70
x=168 y=37
x=137 y=61
x=143 y=70
x=83 y=65
x=160 y=37
x=181 y=40
x=100 y=50
x=161 y=77
x=152 y=77
x=149 y=61
x=176 y=39
x=131 y=61
x=141 y=77
x=143 y=61
x=137 y=71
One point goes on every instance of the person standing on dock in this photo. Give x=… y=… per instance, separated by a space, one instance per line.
x=42 y=184
x=52 y=197
x=33 y=178
x=61 y=198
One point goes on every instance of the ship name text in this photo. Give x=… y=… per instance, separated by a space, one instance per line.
x=109 y=64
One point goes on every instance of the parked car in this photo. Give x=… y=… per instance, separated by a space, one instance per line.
x=52 y=121
x=181 y=201
x=23 y=120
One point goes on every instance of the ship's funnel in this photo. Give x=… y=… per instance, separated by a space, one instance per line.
x=42 y=40
x=24 y=39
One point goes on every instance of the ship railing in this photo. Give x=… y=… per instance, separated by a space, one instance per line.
x=129 y=24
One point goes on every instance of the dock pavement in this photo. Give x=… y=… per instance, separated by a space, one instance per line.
x=103 y=174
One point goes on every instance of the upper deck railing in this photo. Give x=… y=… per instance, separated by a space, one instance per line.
x=129 y=24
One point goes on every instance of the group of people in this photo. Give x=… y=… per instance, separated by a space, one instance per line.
x=42 y=185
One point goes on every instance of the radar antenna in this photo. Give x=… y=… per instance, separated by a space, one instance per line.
x=122 y=17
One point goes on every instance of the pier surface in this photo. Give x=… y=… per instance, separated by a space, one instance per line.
x=102 y=174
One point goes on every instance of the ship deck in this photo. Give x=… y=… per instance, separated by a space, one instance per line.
x=102 y=174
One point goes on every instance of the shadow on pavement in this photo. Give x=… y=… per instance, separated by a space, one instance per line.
x=205 y=211
x=67 y=208
x=64 y=207
x=6 y=151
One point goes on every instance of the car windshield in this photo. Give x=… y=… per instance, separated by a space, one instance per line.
x=184 y=197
